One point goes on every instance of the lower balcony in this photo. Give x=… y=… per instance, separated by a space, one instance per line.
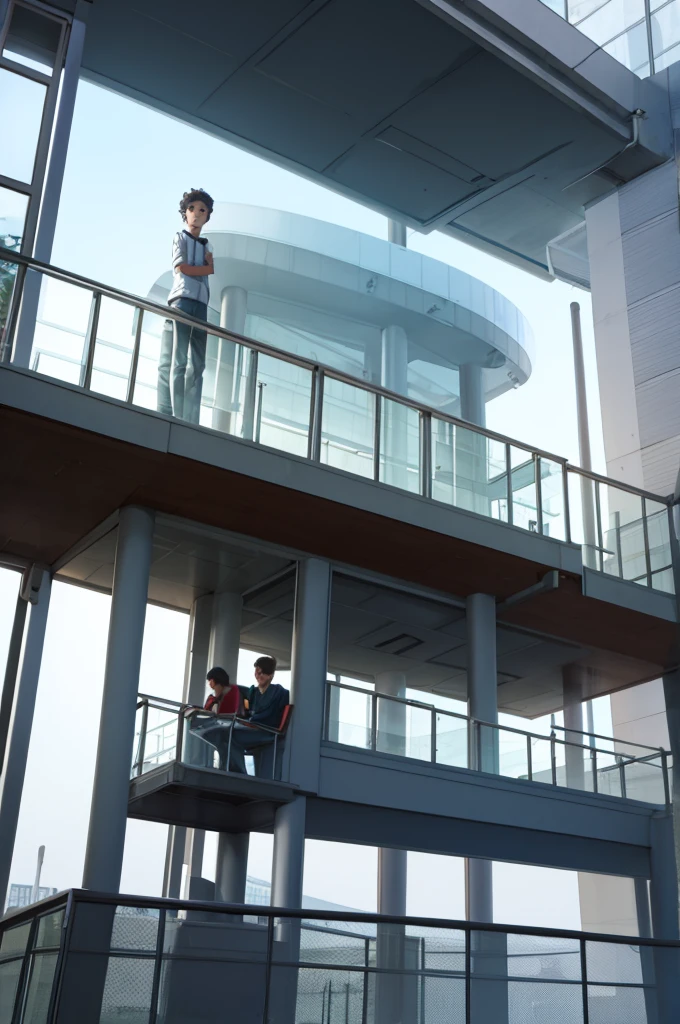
x=99 y=959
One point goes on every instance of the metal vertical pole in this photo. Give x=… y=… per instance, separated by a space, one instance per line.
x=482 y=706
x=108 y=815
x=21 y=724
x=51 y=194
x=11 y=671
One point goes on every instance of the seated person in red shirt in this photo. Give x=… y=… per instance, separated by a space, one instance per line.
x=225 y=699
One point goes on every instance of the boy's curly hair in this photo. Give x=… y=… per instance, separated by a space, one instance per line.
x=194 y=195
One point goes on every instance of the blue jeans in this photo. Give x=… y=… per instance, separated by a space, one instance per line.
x=183 y=349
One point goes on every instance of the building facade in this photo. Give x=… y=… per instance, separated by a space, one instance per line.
x=362 y=523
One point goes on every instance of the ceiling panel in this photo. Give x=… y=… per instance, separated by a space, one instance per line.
x=387 y=67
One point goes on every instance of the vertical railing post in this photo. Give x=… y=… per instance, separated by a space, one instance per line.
x=666 y=782
x=530 y=767
x=594 y=762
x=250 y=397
x=91 y=341
x=316 y=415
x=553 y=759
x=645 y=535
x=622 y=774
x=539 y=496
x=374 y=721
x=599 y=563
x=433 y=736
x=258 y=419
x=376 y=437
x=426 y=454
x=7 y=338
x=584 y=981
x=142 y=737
x=565 y=501
x=180 y=736
x=508 y=483
x=134 y=364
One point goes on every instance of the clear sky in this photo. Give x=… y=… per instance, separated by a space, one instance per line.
x=118 y=214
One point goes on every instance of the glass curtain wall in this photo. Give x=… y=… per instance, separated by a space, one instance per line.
x=642 y=34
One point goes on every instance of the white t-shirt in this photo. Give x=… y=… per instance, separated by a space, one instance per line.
x=187 y=249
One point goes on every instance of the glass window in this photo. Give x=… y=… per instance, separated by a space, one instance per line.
x=580 y=9
x=13 y=942
x=59 y=338
x=631 y=48
x=558 y=6
x=667 y=58
x=611 y=19
x=21 y=111
x=33 y=39
x=113 y=348
x=666 y=27
x=10 y=973
x=49 y=930
x=127 y=990
x=40 y=988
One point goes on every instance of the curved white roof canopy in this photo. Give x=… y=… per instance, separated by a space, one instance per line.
x=318 y=268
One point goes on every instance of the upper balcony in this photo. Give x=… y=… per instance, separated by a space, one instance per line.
x=567 y=553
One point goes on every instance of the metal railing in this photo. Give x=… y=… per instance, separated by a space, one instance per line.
x=167 y=730
x=268 y=396
x=93 y=956
x=381 y=723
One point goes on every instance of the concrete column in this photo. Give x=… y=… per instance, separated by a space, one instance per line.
x=179 y=850
x=572 y=698
x=482 y=706
x=232 y=867
x=20 y=726
x=289 y=854
x=225 y=634
x=472 y=401
x=108 y=814
x=396 y=233
x=232 y=850
x=392 y=864
x=308 y=670
x=233 y=309
x=394 y=359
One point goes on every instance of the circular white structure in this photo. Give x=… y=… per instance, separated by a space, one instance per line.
x=376 y=310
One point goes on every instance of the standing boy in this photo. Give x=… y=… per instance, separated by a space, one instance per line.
x=192 y=263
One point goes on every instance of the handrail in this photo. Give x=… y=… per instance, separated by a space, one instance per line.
x=167 y=312
x=657 y=751
x=14 y=917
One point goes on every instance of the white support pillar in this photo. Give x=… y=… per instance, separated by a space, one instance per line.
x=11 y=674
x=308 y=670
x=572 y=699
x=396 y=232
x=391 y=726
x=394 y=359
x=20 y=726
x=108 y=815
x=472 y=399
x=233 y=310
x=482 y=707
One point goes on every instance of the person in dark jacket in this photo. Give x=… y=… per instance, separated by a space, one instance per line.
x=264 y=706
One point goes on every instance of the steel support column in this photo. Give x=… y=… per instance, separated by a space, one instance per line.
x=108 y=815
x=20 y=726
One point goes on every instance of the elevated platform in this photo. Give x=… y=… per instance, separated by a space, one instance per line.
x=90 y=455
x=207 y=798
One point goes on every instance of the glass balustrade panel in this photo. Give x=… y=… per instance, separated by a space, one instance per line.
x=541 y=760
x=462 y=469
x=452 y=741
x=284 y=393
x=552 y=499
x=399 y=446
x=64 y=312
x=659 y=541
x=348 y=428
x=392 y=726
x=114 y=345
x=524 y=492
x=643 y=778
x=159 y=739
x=513 y=759
x=349 y=717
x=622 y=531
